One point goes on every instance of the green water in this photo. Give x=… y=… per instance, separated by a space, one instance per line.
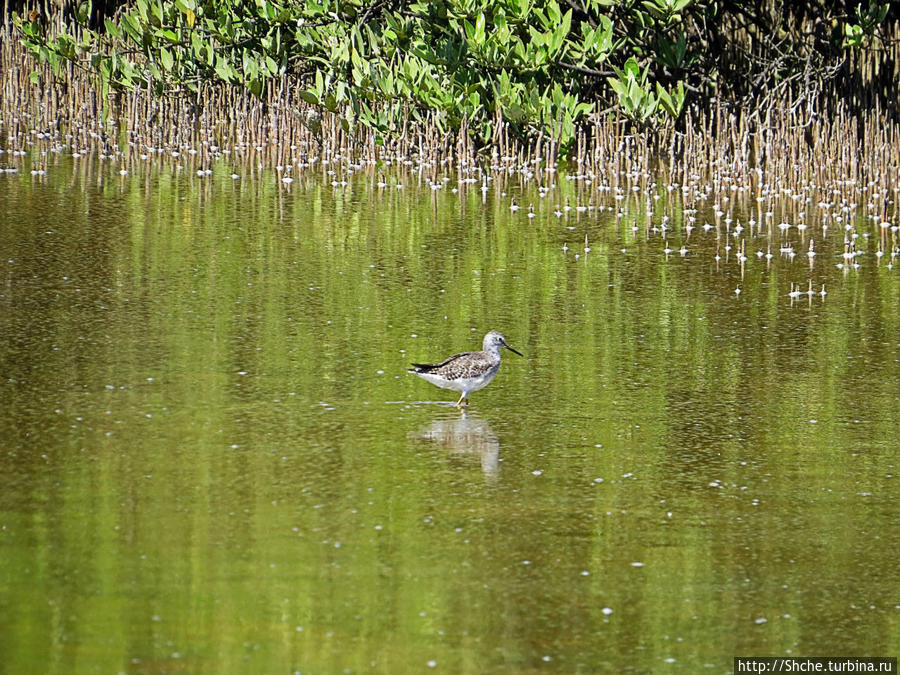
x=214 y=461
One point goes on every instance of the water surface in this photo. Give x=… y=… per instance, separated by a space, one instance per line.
x=214 y=460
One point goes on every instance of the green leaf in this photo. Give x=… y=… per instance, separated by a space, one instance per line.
x=479 y=28
x=142 y=9
x=561 y=32
x=224 y=70
x=129 y=24
x=320 y=86
x=583 y=109
x=553 y=12
x=618 y=86
x=665 y=100
x=514 y=113
x=500 y=27
x=631 y=68
x=112 y=29
x=156 y=13
x=166 y=59
x=469 y=30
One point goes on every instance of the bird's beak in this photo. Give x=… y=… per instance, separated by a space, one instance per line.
x=514 y=351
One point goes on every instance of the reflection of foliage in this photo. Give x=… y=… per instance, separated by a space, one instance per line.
x=531 y=64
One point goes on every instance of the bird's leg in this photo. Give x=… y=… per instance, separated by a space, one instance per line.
x=462 y=397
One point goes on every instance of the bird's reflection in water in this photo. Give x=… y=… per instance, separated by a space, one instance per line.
x=465 y=435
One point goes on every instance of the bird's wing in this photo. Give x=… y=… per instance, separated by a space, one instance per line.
x=427 y=367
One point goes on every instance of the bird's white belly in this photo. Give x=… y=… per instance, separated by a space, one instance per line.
x=462 y=384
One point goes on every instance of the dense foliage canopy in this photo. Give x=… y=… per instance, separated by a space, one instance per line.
x=534 y=65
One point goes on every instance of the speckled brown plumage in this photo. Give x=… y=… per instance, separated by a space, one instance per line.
x=468 y=371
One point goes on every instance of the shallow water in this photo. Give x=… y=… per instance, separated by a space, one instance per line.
x=214 y=460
